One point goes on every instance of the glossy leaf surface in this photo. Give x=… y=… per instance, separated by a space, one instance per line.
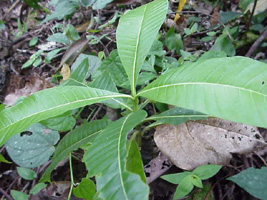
x=230 y=88
x=46 y=104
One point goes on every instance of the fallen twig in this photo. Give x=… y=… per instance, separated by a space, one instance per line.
x=257 y=43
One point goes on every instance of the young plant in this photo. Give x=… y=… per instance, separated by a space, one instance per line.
x=187 y=180
x=231 y=88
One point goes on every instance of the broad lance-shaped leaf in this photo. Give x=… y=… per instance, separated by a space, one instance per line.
x=46 y=104
x=232 y=88
x=106 y=159
x=136 y=33
x=72 y=141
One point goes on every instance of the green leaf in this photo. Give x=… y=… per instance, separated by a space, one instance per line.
x=27 y=174
x=106 y=159
x=3 y=160
x=197 y=181
x=230 y=88
x=228 y=16
x=254 y=181
x=33 y=147
x=99 y=4
x=49 y=103
x=17 y=195
x=33 y=41
x=51 y=55
x=72 y=33
x=134 y=162
x=174 y=41
x=37 y=62
x=157 y=49
x=176 y=116
x=63 y=8
x=105 y=82
x=63 y=123
x=206 y=171
x=58 y=37
x=73 y=140
x=184 y=188
x=37 y=188
x=94 y=63
x=145 y=77
x=223 y=43
x=78 y=75
x=136 y=33
x=114 y=66
x=2 y=25
x=212 y=54
x=85 y=190
x=243 y=4
x=175 y=178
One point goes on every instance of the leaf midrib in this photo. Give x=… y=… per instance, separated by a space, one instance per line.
x=67 y=149
x=136 y=50
x=62 y=105
x=118 y=156
x=201 y=83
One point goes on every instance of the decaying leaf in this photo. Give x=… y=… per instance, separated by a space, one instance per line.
x=75 y=49
x=34 y=83
x=65 y=71
x=201 y=142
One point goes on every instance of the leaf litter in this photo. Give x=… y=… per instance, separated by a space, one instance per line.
x=201 y=142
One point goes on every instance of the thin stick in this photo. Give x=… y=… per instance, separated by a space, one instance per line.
x=251 y=16
x=257 y=43
x=5 y=194
x=12 y=7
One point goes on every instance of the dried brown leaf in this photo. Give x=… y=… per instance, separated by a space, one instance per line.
x=201 y=142
x=75 y=49
x=35 y=83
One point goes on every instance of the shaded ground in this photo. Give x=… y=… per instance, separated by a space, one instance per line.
x=16 y=82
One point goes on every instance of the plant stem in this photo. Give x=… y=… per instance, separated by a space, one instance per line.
x=71 y=177
x=252 y=13
x=135 y=103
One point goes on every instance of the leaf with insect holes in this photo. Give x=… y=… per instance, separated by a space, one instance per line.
x=33 y=147
x=49 y=103
x=196 y=143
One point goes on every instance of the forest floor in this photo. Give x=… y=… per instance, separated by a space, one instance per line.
x=20 y=23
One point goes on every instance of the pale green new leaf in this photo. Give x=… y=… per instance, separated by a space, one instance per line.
x=136 y=33
x=106 y=159
x=232 y=88
x=72 y=141
x=46 y=104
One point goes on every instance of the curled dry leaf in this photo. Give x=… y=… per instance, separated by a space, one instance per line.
x=201 y=142
x=75 y=49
